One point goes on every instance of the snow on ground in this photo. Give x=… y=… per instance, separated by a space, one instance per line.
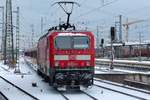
x=126 y=61
x=4 y=67
x=103 y=94
x=12 y=92
x=136 y=93
x=77 y=95
x=119 y=84
x=104 y=69
x=44 y=92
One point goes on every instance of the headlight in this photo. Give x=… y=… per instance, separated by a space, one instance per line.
x=87 y=63
x=56 y=63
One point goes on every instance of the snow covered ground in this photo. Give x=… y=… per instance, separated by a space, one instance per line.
x=11 y=91
x=24 y=80
x=126 y=61
x=130 y=63
x=103 y=69
x=129 y=91
x=44 y=92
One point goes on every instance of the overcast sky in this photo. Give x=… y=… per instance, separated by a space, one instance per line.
x=91 y=13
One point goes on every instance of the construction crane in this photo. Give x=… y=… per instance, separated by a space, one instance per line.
x=127 y=24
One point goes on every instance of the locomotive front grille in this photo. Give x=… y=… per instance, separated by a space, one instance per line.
x=74 y=78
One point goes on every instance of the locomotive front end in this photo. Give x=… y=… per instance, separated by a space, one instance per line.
x=74 y=59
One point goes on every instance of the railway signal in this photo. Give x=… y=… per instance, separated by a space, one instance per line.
x=113 y=34
x=113 y=37
x=102 y=42
x=102 y=45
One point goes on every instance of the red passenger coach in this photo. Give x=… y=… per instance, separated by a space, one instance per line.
x=66 y=58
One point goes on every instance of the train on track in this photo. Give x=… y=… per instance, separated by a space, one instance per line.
x=65 y=56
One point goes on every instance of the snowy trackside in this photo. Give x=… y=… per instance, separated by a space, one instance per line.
x=125 y=61
x=44 y=92
x=103 y=69
x=133 y=64
x=12 y=92
x=125 y=90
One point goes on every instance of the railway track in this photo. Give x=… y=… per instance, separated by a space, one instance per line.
x=4 y=69
x=61 y=93
x=124 y=93
x=2 y=96
x=146 y=92
x=67 y=98
x=30 y=65
x=92 y=97
x=141 y=66
x=20 y=89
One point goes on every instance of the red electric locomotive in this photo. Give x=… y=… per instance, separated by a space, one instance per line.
x=66 y=58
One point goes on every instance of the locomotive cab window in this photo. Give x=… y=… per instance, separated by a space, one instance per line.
x=81 y=42
x=72 y=42
x=63 y=42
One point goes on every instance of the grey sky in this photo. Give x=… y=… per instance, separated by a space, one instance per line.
x=32 y=10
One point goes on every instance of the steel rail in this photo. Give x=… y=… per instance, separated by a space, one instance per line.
x=27 y=93
x=137 y=97
x=99 y=80
x=30 y=65
x=89 y=95
x=3 y=96
x=65 y=97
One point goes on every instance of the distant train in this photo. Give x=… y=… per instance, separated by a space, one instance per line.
x=125 y=51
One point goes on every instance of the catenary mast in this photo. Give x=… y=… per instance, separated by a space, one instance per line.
x=8 y=43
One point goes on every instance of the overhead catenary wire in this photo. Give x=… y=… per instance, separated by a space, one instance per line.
x=95 y=9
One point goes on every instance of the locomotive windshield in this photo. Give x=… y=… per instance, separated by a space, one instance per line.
x=81 y=42
x=63 y=42
x=72 y=42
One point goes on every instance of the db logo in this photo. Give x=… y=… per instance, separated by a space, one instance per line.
x=72 y=57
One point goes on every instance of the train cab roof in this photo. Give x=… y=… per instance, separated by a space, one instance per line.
x=67 y=33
